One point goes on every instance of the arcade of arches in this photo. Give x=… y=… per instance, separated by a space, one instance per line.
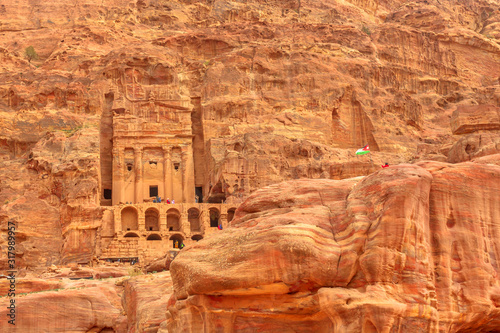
x=147 y=231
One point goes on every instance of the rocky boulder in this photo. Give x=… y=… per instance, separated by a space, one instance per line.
x=474 y=145
x=410 y=248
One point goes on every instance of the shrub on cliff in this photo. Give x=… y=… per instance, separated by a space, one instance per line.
x=31 y=53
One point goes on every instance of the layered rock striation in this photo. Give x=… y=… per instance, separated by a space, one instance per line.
x=410 y=248
x=126 y=304
x=276 y=91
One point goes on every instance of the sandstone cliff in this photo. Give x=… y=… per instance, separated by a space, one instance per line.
x=134 y=304
x=279 y=90
x=410 y=248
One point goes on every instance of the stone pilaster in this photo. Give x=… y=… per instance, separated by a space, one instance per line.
x=118 y=219
x=185 y=173
x=189 y=187
x=163 y=218
x=118 y=174
x=167 y=173
x=138 y=186
x=141 y=218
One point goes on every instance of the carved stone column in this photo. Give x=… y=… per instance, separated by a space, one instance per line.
x=188 y=189
x=163 y=219
x=186 y=227
x=117 y=219
x=184 y=170
x=118 y=174
x=138 y=187
x=167 y=173
x=141 y=218
x=223 y=220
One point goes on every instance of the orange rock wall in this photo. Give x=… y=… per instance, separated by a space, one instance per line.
x=279 y=91
x=410 y=248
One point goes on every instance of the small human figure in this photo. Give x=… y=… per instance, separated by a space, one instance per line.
x=386 y=165
x=168 y=200
x=182 y=246
x=176 y=244
x=173 y=201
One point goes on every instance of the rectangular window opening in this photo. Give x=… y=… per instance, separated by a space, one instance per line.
x=153 y=190
x=198 y=194
x=107 y=194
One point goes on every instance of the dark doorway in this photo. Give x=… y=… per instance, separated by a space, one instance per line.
x=107 y=194
x=214 y=218
x=153 y=190
x=177 y=241
x=198 y=193
x=153 y=237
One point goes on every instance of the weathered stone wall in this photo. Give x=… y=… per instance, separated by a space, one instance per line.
x=278 y=91
x=410 y=248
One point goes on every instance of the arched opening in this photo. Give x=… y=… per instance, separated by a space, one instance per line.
x=194 y=219
x=173 y=218
x=152 y=220
x=177 y=241
x=131 y=234
x=153 y=237
x=197 y=237
x=230 y=214
x=214 y=217
x=238 y=147
x=129 y=219
x=369 y=327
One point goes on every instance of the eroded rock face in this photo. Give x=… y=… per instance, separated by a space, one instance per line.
x=52 y=196
x=126 y=304
x=337 y=74
x=410 y=248
x=278 y=91
x=475 y=145
x=474 y=118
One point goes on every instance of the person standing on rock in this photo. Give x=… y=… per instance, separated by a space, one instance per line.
x=386 y=165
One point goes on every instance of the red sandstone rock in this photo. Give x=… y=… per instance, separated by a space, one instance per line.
x=145 y=299
x=404 y=249
x=474 y=146
x=490 y=159
x=467 y=119
x=113 y=305
x=279 y=91
x=93 y=309
x=53 y=200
